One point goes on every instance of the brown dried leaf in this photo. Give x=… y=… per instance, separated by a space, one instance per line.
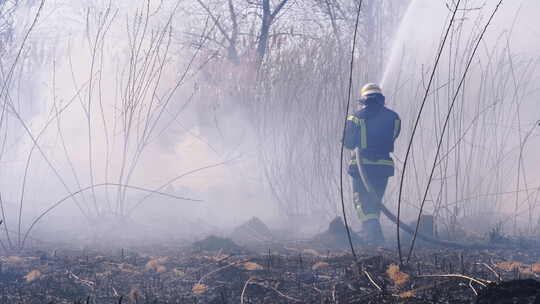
x=33 y=275
x=104 y=274
x=151 y=265
x=406 y=294
x=508 y=266
x=313 y=252
x=199 y=289
x=216 y=258
x=535 y=267
x=319 y=265
x=161 y=269
x=163 y=260
x=526 y=271
x=128 y=268
x=154 y=263
x=13 y=259
x=251 y=266
x=399 y=277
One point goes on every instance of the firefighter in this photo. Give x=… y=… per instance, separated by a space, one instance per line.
x=370 y=134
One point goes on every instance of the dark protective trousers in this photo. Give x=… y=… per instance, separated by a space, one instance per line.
x=368 y=206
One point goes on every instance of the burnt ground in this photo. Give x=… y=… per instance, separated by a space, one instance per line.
x=293 y=275
x=218 y=270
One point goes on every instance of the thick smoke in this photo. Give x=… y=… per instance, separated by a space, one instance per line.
x=115 y=99
x=141 y=94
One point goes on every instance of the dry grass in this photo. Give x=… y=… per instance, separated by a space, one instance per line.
x=251 y=266
x=531 y=270
x=161 y=269
x=216 y=258
x=535 y=267
x=508 y=266
x=199 y=289
x=319 y=265
x=406 y=294
x=13 y=260
x=398 y=277
x=104 y=274
x=526 y=271
x=33 y=275
x=128 y=268
x=155 y=264
x=313 y=252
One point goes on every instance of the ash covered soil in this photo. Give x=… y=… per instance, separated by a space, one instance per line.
x=219 y=270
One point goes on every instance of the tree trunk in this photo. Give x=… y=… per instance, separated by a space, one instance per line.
x=265 y=30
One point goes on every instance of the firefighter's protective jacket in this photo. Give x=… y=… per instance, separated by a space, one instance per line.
x=373 y=130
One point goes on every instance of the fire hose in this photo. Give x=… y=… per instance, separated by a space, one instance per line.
x=373 y=196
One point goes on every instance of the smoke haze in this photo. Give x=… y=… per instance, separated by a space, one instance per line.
x=142 y=93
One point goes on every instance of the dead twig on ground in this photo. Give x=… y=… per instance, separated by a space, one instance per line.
x=461 y=276
x=276 y=291
x=244 y=290
x=221 y=268
x=491 y=269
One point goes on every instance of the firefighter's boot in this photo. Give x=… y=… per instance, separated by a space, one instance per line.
x=372 y=231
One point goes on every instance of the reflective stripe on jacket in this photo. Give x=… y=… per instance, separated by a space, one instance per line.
x=373 y=130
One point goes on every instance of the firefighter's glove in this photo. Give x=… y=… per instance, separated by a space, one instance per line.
x=353 y=171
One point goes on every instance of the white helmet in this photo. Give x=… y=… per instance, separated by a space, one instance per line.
x=370 y=88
